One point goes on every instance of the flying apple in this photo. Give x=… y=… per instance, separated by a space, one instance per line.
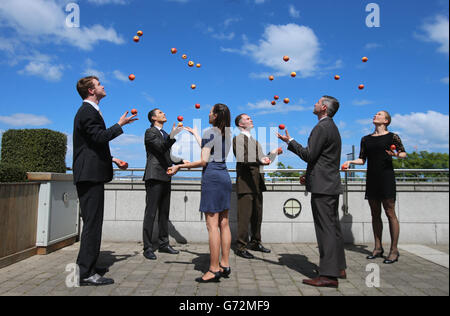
x=173 y=50
x=140 y=33
x=365 y=59
x=293 y=74
x=282 y=127
x=134 y=111
x=131 y=77
x=286 y=58
x=337 y=77
x=136 y=39
x=197 y=106
x=287 y=100
x=271 y=78
x=361 y=87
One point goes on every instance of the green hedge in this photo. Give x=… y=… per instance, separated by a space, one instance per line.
x=12 y=173
x=35 y=150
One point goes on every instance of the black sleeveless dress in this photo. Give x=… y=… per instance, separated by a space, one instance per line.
x=380 y=183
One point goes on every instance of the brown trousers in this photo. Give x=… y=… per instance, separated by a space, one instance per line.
x=250 y=209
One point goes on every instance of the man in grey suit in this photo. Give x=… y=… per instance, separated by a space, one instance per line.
x=158 y=145
x=323 y=180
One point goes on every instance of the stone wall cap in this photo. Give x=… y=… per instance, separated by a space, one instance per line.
x=48 y=176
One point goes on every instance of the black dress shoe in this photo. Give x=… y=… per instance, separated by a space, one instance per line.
x=377 y=253
x=258 y=247
x=387 y=261
x=96 y=280
x=226 y=272
x=244 y=254
x=150 y=255
x=169 y=249
x=217 y=276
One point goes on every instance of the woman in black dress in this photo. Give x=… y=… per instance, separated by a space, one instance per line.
x=377 y=149
x=216 y=190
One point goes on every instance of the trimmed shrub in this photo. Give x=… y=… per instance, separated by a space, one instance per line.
x=35 y=150
x=12 y=173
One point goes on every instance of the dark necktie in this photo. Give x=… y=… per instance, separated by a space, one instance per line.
x=165 y=135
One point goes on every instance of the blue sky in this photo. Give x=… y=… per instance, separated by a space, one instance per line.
x=239 y=44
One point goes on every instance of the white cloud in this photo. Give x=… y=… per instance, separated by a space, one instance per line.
x=42 y=69
x=428 y=131
x=293 y=12
x=437 y=31
x=120 y=76
x=298 y=42
x=265 y=107
x=370 y=46
x=362 y=102
x=128 y=139
x=104 y=2
x=38 y=21
x=22 y=119
x=445 y=80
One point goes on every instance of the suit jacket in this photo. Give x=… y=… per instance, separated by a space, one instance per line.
x=248 y=153
x=159 y=158
x=92 y=160
x=323 y=156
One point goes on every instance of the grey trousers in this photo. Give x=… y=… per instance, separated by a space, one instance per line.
x=329 y=235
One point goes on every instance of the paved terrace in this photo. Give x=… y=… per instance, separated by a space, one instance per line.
x=277 y=274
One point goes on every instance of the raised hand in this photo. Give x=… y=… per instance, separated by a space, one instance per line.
x=124 y=120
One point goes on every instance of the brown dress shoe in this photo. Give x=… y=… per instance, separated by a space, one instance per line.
x=322 y=282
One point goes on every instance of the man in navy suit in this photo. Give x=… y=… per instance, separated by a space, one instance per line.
x=92 y=168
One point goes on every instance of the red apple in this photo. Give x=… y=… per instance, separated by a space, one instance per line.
x=199 y=65
x=361 y=87
x=184 y=56
x=173 y=50
x=193 y=86
x=365 y=59
x=274 y=103
x=191 y=64
x=276 y=97
x=131 y=77
x=344 y=167
x=282 y=127
x=180 y=118
x=393 y=148
x=337 y=77
x=271 y=78
x=197 y=106
x=293 y=74
x=303 y=180
x=286 y=58
x=124 y=165
x=140 y=33
x=134 y=111
x=136 y=39
x=287 y=100
x=280 y=151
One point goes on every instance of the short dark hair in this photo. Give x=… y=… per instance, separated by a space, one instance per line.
x=83 y=86
x=238 y=119
x=151 y=114
x=332 y=105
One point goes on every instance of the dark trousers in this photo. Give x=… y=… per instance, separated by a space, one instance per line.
x=157 y=202
x=329 y=236
x=250 y=211
x=92 y=200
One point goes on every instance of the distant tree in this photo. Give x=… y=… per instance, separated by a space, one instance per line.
x=424 y=160
x=278 y=174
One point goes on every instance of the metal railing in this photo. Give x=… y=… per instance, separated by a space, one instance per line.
x=404 y=180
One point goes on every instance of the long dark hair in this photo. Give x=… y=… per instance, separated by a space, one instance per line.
x=223 y=119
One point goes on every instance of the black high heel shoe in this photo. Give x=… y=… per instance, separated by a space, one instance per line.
x=387 y=261
x=226 y=272
x=377 y=253
x=217 y=276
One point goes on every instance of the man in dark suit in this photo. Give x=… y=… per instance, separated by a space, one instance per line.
x=158 y=184
x=92 y=168
x=323 y=180
x=250 y=186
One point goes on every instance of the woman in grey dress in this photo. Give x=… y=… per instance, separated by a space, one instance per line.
x=216 y=190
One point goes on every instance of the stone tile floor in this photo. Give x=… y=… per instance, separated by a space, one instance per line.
x=279 y=273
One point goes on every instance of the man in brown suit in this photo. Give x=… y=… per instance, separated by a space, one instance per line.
x=250 y=186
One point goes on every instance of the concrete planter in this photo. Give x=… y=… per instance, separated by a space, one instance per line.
x=18 y=219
